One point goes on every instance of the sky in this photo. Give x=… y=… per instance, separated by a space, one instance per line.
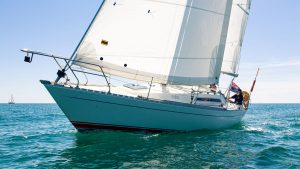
x=271 y=42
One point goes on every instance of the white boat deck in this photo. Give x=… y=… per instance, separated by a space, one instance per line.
x=165 y=93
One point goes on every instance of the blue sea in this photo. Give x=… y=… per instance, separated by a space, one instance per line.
x=40 y=136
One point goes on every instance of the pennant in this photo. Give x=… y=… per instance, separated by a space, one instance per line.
x=234 y=88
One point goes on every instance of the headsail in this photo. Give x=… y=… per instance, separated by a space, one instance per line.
x=171 y=41
x=236 y=30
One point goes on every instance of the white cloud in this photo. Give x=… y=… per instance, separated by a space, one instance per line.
x=278 y=92
x=280 y=65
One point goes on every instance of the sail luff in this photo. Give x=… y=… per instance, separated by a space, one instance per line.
x=222 y=43
x=85 y=33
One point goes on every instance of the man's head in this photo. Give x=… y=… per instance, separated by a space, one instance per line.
x=239 y=92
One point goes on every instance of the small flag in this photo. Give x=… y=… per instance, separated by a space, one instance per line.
x=234 y=87
x=253 y=84
x=254 y=81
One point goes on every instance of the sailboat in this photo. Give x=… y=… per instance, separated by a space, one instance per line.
x=11 y=100
x=165 y=55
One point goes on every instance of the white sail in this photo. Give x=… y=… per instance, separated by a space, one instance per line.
x=11 y=100
x=236 y=30
x=169 y=41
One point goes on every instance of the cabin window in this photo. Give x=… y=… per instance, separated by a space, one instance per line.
x=208 y=99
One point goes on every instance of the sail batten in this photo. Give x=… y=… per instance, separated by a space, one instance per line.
x=172 y=41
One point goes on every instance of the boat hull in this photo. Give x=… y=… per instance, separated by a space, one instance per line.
x=88 y=109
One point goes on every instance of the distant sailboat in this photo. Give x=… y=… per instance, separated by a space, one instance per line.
x=11 y=100
x=175 y=49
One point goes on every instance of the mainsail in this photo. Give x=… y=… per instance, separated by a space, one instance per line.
x=237 y=25
x=168 y=41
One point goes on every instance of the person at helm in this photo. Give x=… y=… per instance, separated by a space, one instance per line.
x=238 y=98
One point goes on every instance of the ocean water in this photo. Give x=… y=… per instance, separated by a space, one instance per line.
x=40 y=136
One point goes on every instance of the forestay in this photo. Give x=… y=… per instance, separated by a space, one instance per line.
x=169 y=41
x=237 y=25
